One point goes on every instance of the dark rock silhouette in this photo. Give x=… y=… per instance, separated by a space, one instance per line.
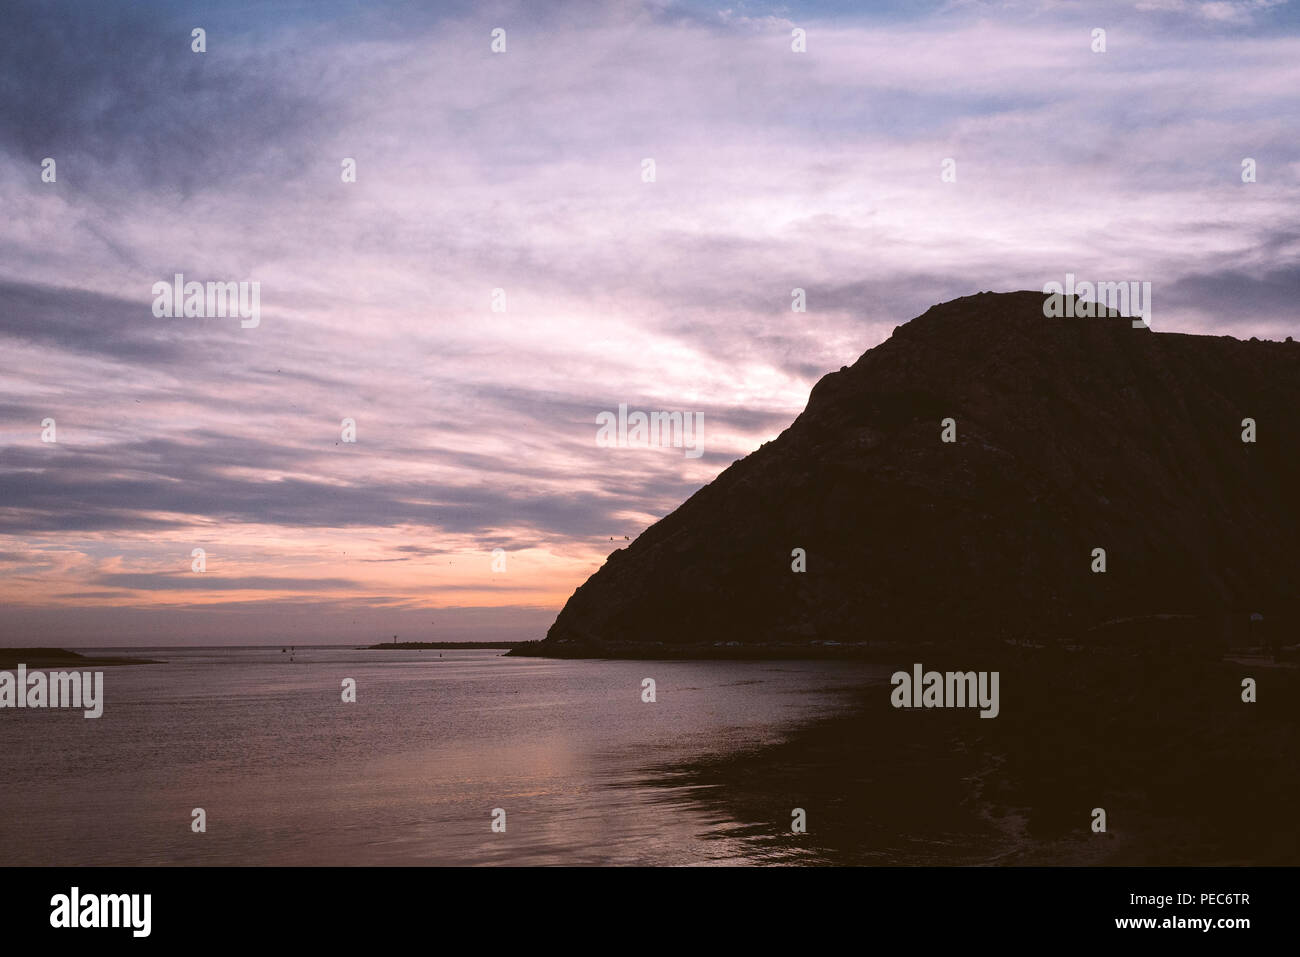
x=1071 y=435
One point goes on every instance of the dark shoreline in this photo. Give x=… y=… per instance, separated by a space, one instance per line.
x=43 y=658
x=732 y=651
x=440 y=645
x=1186 y=771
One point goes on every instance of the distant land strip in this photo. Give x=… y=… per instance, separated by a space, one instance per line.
x=449 y=645
x=891 y=652
x=62 y=658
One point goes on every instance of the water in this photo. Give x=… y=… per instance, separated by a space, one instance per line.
x=289 y=774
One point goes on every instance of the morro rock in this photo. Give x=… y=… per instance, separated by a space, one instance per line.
x=1071 y=435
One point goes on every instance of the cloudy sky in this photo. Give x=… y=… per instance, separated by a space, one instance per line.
x=522 y=171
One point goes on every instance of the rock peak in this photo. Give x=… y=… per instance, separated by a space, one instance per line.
x=1067 y=435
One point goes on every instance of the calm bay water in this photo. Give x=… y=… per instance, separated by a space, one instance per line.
x=289 y=774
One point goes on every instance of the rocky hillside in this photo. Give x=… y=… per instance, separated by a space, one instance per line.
x=1071 y=435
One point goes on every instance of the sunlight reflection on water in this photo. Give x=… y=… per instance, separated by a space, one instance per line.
x=410 y=773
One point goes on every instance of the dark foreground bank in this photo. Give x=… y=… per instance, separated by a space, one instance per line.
x=1186 y=772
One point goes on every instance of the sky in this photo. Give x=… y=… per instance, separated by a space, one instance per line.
x=503 y=270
